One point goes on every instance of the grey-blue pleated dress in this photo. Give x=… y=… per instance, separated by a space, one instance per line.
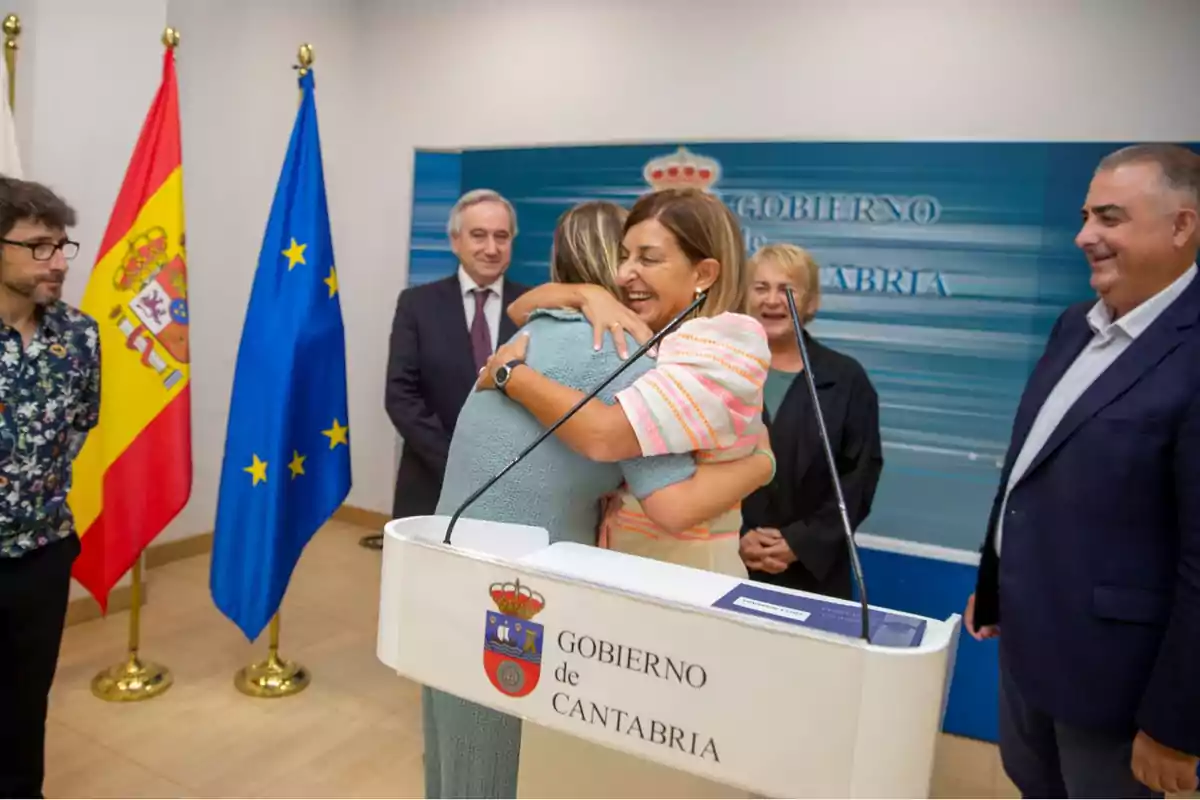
x=470 y=750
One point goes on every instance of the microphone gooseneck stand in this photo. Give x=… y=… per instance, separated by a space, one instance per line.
x=641 y=351
x=847 y=528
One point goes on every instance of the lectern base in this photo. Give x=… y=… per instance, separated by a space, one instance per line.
x=558 y=765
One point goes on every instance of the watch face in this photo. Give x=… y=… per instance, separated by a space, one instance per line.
x=502 y=375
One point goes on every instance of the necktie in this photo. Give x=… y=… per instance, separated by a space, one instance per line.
x=481 y=337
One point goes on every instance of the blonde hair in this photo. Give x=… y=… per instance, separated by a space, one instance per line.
x=705 y=228
x=587 y=245
x=800 y=267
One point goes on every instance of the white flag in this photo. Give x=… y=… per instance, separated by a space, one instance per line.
x=10 y=157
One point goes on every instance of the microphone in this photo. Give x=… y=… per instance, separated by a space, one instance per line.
x=641 y=351
x=847 y=528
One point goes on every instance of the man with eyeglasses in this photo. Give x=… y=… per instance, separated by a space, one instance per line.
x=49 y=400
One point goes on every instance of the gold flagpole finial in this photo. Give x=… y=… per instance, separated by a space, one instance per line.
x=12 y=30
x=304 y=59
x=170 y=38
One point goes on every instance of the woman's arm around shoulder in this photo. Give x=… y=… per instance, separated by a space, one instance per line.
x=548 y=295
x=605 y=312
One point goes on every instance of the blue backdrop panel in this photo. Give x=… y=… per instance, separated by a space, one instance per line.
x=437 y=184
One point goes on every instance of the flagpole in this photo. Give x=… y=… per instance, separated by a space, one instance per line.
x=134 y=679
x=277 y=677
x=12 y=30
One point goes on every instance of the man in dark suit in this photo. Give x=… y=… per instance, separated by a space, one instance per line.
x=1090 y=572
x=442 y=336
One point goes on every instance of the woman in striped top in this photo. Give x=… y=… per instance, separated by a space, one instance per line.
x=704 y=395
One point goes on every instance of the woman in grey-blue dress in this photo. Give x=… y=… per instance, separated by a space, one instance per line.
x=470 y=750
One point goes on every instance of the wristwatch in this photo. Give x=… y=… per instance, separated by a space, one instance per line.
x=504 y=373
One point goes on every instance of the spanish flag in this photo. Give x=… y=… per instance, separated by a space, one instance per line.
x=134 y=473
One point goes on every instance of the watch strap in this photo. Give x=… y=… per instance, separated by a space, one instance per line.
x=508 y=368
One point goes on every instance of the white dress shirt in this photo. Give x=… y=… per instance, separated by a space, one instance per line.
x=1109 y=340
x=492 y=307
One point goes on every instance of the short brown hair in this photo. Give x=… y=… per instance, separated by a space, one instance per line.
x=799 y=265
x=704 y=227
x=587 y=244
x=25 y=200
x=1180 y=166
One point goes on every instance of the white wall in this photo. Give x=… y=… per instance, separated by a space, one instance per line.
x=397 y=74
x=238 y=102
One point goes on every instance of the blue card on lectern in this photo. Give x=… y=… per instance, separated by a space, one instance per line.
x=887 y=628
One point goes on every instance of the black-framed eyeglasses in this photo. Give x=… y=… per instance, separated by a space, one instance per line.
x=44 y=251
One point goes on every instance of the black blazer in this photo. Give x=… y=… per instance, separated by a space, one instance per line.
x=801 y=501
x=431 y=372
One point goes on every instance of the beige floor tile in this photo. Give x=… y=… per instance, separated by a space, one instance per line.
x=1004 y=788
x=77 y=766
x=964 y=768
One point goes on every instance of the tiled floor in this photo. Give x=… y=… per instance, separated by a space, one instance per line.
x=354 y=733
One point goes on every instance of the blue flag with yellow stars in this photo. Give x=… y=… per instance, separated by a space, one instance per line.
x=287 y=449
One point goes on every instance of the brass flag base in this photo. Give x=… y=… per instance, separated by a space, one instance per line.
x=274 y=677
x=132 y=681
x=135 y=679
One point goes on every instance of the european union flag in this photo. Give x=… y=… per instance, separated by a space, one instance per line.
x=287 y=449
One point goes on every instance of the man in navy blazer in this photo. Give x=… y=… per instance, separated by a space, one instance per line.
x=1090 y=572
x=442 y=334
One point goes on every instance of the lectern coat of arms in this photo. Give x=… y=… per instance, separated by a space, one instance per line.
x=512 y=643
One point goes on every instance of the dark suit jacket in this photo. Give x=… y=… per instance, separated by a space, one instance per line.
x=1097 y=589
x=801 y=501
x=431 y=372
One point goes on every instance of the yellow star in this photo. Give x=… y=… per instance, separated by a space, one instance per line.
x=331 y=281
x=297 y=465
x=337 y=435
x=257 y=470
x=295 y=254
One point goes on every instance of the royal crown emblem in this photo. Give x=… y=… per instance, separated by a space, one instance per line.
x=512 y=644
x=682 y=169
x=155 y=319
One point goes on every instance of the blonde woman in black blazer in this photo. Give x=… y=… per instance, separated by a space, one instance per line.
x=792 y=529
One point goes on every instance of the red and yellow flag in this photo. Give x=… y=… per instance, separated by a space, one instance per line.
x=134 y=474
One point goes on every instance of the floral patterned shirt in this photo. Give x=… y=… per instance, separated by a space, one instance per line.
x=49 y=400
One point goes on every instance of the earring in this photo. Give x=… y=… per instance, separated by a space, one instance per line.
x=699 y=291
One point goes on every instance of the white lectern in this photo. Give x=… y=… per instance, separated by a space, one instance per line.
x=747 y=685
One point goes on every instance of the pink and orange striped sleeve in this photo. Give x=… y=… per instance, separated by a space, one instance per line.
x=706 y=392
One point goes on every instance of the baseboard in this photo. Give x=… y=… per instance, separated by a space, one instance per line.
x=158 y=555
x=362 y=517
x=86 y=609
